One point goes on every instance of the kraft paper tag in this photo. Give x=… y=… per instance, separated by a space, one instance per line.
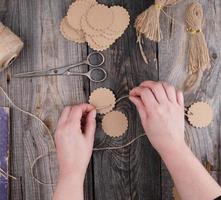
x=115 y=123
x=103 y=100
x=71 y=34
x=200 y=114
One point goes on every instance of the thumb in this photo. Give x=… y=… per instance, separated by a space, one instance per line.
x=140 y=107
x=90 y=125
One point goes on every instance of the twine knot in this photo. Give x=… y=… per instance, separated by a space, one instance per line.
x=158 y=6
x=194 y=31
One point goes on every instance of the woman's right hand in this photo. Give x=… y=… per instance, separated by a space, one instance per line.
x=161 y=109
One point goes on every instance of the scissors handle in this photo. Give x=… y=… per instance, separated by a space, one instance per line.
x=89 y=74
x=95 y=56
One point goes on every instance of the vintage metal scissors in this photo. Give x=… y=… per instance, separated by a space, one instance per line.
x=67 y=70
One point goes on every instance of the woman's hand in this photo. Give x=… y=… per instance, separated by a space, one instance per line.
x=161 y=109
x=74 y=139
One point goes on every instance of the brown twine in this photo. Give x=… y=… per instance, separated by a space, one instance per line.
x=53 y=149
x=29 y=114
x=198 y=53
x=120 y=147
x=2 y=172
x=6 y=175
x=94 y=149
x=36 y=160
x=147 y=24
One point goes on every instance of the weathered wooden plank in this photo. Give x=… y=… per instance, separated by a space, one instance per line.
x=38 y=24
x=3 y=5
x=133 y=172
x=4 y=152
x=2 y=8
x=205 y=143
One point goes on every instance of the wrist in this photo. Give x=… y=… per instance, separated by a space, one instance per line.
x=173 y=150
x=69 y=187
x=72 y=177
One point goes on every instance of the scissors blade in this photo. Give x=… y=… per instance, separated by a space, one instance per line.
x=35 y=74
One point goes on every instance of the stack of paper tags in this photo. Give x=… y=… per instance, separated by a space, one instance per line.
x=98 y=25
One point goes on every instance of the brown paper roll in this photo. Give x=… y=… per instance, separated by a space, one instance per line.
x=10 y=46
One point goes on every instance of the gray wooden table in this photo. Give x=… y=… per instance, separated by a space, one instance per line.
x=135 y=172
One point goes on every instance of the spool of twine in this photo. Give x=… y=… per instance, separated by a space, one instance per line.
x=10 y=46
x=198 y=53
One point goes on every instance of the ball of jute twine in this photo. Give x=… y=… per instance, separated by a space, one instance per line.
x=10 y=47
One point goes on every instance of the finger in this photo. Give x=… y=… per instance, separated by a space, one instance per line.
x=90 y=126
x=157 y=90
x=170 y=91
x=140 y=107
x=78 y=111
x=147 y=97
x=180 y=98
x=64 y=115
x=149 y=82
x=135 y=91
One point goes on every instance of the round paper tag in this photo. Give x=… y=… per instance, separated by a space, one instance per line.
x=103 y=100
x=76 y=11
x=200 y=114
x=115 y=124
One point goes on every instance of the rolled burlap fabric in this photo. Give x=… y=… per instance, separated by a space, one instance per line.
x=10 y=46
